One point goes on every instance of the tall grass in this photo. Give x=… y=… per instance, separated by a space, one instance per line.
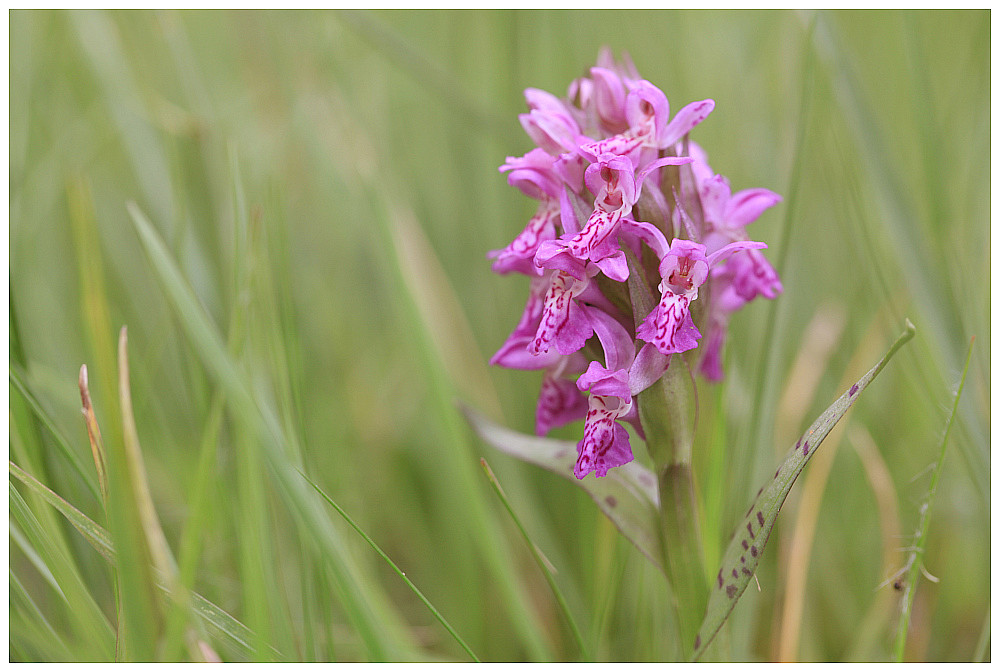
x=290 y=211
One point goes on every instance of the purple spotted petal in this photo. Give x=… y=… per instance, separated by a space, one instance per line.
x=669 y=326
x=563 y=324
x=605 y=443
x=519 y=255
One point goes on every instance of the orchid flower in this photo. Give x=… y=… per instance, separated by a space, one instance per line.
x=596 y=149
x=683 y=270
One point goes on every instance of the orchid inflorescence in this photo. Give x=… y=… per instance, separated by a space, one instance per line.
x=618 y=181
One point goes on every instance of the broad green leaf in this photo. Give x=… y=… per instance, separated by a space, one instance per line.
x=744 y=552
x=627 y=495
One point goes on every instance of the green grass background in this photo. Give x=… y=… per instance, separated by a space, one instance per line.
x=327 y=185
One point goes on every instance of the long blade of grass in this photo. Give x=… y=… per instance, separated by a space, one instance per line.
x=915 y=562
x=744 y=552
x=378 y=627
x=88 y=621
x=627 y=495
x=416 y=591
x=219 y=621
x=899 y=219
x=541 y=560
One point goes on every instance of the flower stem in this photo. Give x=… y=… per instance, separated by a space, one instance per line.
x=682 y=554
x=667 y=410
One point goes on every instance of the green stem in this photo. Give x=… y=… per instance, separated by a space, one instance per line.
x=667 y=410
x=682 y=554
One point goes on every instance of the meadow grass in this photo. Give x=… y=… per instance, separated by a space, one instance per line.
x=290 y=211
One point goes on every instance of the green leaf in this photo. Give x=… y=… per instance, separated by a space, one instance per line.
x=627 y=495
x=744 y=552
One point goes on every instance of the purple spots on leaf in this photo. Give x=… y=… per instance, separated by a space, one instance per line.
x=745 y=545
x=777 y=471
x=760 y=519
x=720 y=578
x=805 y=449
x=743 y=559
x=735 y=575
x=753 y=551
x=747 y=572
x=854 y=389
x=697 y=641
x=750 y=529
x=611 y=501
x=731 y=591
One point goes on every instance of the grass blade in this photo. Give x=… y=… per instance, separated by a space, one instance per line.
x=915 y=562
x=542 y=561
x=744 y=552
x=218 y=621
x=627 y=495
x=395 y=568
x=378 y=627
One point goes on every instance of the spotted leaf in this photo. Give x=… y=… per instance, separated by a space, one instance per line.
x=744 y=552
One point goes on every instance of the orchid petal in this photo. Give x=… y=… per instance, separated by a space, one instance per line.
x=559 y=403
x=747 y=205
x=605 y=443
x=690 y=116
x=669 y=326
x=647 y=368
x=619 y=350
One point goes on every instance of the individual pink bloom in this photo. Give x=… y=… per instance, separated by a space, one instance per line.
x=726 y=217
x=683 y=270
x=605 y=442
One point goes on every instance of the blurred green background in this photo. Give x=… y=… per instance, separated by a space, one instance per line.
x=327 y=184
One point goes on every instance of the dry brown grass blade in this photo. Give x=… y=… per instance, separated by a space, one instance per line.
x=94 y=434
